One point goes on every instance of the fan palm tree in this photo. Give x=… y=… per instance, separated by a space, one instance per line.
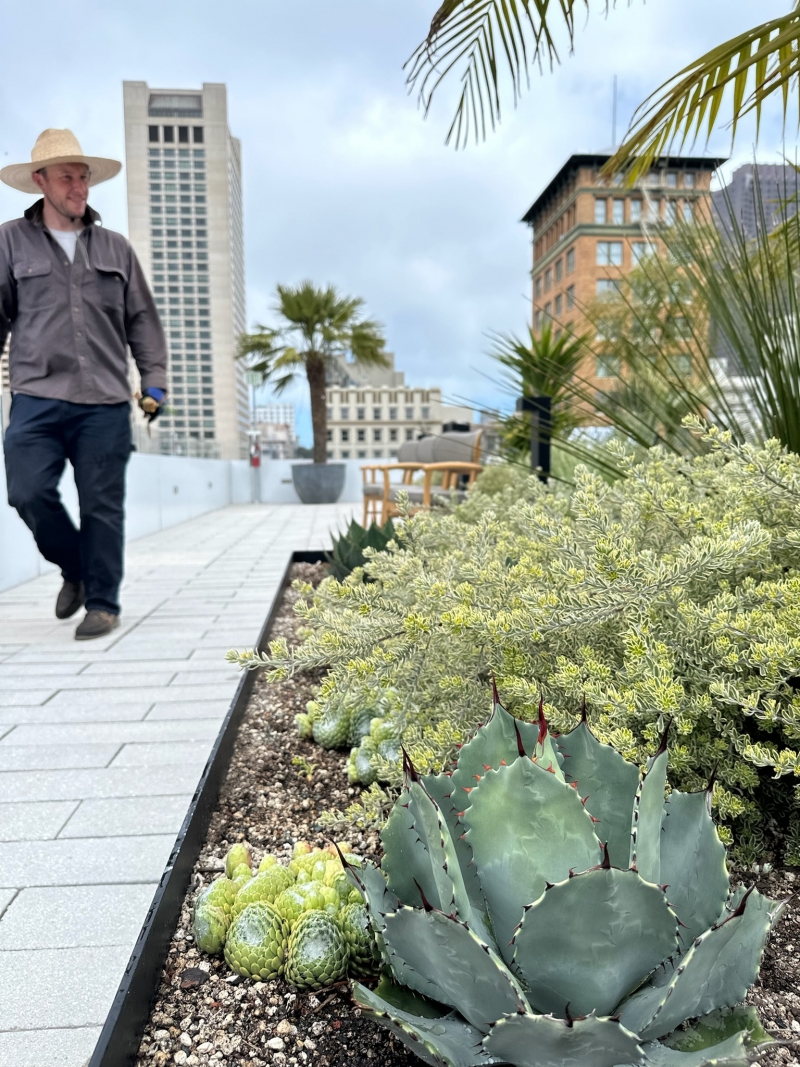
x=318 y=329
x=482 y=39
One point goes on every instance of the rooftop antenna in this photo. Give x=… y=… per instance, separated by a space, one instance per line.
x=614 y=117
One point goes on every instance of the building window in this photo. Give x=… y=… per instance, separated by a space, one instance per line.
x=345 y=453
x=426 y=412
x=618 y=213
x=559 y=270
x=392 y=414
x=571 y=261
x=361 y=414
x=345 y=414
x=376 y=414
x=670 y=212
x=606 y=286
x=548 y=280
x=409 y=434
x=600 y=210
x=393 y=434
x=183 y=134
x=361 y=435
x=688 y=211
x=548 y=311
x=330 y=435
x=345 y=435
x=688 y=181
x=559 y=305
x=409 y=414
x=672 y=179
x=169 y=134
x=152 y=133
x=377 y=453
x=361 y=454
x=607 y=367
x=570 y=297
x=654 y=178
x=609 y=253
x=376 y=434
x=537 y=287
x=640 y=249
x=636 y=211
x=197 y=135
x=537 y=321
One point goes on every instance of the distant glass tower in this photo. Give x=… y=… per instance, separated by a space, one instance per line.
x=185 y=222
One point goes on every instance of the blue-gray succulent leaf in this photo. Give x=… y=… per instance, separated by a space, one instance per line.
x=493 y=744
x=444 y=1040
x=420 y=855
x=732 y=1052
x=441 y=958
x=618 y=929
x=715 y=972
x=607 y=782
x=525 y=828
x=717 y=1026
x=369 y=880
x=441 y=788
x=648 y=818
x=693 y=863
x=543 y=1041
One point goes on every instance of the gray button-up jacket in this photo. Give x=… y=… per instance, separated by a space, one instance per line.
x=71 y=324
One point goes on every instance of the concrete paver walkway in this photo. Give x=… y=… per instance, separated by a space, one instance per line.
x=101 y=746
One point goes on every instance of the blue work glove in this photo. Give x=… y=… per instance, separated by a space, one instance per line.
x=150 y=403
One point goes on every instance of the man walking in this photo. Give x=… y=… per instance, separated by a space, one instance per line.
x=74 y=299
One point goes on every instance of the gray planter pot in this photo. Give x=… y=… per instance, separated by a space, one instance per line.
x=319 y=483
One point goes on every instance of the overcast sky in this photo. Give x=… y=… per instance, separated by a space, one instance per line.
x=343 y=180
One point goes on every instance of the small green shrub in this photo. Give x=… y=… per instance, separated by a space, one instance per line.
x=672 y=594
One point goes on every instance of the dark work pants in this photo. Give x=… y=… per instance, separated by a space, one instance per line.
x=96 y=438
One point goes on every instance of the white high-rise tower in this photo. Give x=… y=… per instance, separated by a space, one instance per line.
x=185 y=223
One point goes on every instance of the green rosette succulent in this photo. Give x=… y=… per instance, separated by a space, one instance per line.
x=292 y=902
x=317 y=952
x=332 y=728
x=209 y=927
x=364 y=957
x=221 y=893
x=544 y=905
x=238 y=854
x=266 y=886
x=257 y=942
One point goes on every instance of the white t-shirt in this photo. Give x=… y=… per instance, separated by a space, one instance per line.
x=68 y=239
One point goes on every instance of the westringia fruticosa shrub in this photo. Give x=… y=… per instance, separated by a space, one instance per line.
x=673 y=594
x=544 y=906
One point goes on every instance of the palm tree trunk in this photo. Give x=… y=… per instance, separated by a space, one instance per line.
x=315 y=372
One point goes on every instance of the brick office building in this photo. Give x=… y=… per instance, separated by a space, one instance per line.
x=587 y=232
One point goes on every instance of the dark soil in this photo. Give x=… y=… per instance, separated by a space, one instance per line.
x=204 y=1015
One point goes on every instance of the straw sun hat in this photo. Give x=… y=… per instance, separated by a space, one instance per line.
x=57 y=146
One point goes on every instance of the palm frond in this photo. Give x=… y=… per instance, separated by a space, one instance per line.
x=751 y=66
x=480 y=37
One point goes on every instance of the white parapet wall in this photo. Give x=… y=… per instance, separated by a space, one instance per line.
x=162 y=491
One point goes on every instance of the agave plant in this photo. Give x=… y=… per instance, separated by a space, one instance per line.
x=543 y=905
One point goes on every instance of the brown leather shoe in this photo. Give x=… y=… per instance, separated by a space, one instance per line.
x=96 y=624
x=70 y=598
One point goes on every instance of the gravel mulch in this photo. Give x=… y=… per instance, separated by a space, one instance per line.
x=203 y=1015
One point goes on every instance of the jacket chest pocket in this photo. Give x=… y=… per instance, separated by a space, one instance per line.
x=36 y=288
x=110 y=283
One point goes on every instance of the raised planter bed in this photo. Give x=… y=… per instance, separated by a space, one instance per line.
x=176 y=1005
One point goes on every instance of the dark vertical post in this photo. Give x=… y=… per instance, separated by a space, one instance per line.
x=541 y=412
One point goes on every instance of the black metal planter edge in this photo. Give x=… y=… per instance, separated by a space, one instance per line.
x=122 y=1032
